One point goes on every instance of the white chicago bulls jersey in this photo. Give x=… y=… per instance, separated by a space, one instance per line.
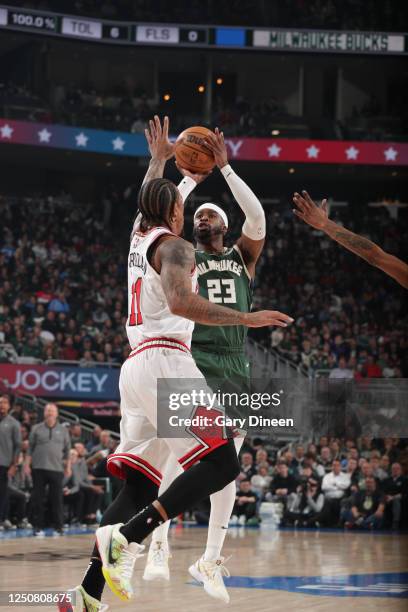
x=148 y=313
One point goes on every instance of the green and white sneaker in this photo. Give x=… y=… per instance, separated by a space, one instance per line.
x=78 y=600
x=118 y=559
x=210 y=575
x=157 y=565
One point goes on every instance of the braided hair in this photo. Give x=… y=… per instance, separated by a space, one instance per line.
x=156 y=202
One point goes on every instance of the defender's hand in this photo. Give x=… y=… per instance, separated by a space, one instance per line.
x=215 y=142
x=309 y=212
x=198 y=178
x=263 y=318
x=157 y=138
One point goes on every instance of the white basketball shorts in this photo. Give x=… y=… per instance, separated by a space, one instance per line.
x=139 y=447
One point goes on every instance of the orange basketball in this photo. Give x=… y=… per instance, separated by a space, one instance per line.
x=191 y=152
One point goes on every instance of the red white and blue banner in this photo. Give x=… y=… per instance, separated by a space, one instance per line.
x=96 y=384
x=242 y=149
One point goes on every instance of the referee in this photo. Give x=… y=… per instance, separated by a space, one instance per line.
x=48 y=456
x=10 y=444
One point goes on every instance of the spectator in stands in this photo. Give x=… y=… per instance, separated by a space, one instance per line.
x=334 y=487
x=75 y=433
x=247 y=466
x=306 y=505
x=48 y=458
x=282 y=485
x=95 y=438
x=378 y=472
x=261 y=481
x=395 y=489
x=105 y=444
x=298 y=460
x=325 y=459
x=310 y=461
x=342 y=370
x=10 y=445
x=261 y=457
x=367 y=510
x=245 y=511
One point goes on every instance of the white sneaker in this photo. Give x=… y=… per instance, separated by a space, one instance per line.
x=157 y=565
x=233 y=520
x=118 y=559
x=242 y=520
x=78 y=600
x=210 y=575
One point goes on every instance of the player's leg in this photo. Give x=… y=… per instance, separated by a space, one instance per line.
x=157 y=563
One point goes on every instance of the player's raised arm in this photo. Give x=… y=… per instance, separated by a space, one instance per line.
x=175 y=260
x=254 y=229
x=160 y=147
x=318 y=218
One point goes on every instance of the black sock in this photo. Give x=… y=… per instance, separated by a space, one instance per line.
x=139 y=527
x=136 y=493
x=93 y=581
x=214 y=472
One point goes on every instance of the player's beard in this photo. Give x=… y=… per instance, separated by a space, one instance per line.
x=206 y=234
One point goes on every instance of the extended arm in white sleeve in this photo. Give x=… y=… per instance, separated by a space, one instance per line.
x=186 y=186
x=255 y=223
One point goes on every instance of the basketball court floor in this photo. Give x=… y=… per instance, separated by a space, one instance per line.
x=270 y=570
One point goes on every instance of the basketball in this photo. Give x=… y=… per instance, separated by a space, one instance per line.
x=191 y=152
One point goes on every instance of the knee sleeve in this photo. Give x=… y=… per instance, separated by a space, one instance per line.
x=225 y=459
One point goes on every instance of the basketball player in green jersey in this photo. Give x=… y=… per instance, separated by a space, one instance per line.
x=225 y=277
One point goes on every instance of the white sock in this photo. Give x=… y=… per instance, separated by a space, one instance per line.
x=170 y=473
x=222 y=504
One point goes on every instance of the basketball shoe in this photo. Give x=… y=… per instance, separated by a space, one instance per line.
x=80 y=601
x=157 y=565
x=118 y=559
x=210 y=575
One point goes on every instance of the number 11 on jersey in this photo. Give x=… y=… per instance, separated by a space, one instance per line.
x=135 y=317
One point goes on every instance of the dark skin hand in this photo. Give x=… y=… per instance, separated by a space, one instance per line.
x=174 y=259
x=250 y=249
x=318 y=218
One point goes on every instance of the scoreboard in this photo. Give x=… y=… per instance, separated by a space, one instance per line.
x=212 y=37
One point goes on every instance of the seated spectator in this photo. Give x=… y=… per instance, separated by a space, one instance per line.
x=298 y=460
x=105 y=444
x=247 y=466
x=261 y=457
x=95 y=438
x=317 y=469
x=325 y=459
x=282 y=485
x=334 y=487
x=342 y=370
x=378 y=471
x=305 y=506
x=367 y=509
x=245 y=510
x=395 y=489
x=261 y=481
x=75 y=433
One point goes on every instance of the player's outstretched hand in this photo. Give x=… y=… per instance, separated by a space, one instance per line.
x=198 y=178
x=310 y=212
x=263 y=318
x=157 y=138
x=216 y=143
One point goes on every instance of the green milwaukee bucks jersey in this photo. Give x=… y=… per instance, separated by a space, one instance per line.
x=223 y=279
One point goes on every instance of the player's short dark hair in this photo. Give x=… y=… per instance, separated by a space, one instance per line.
x=156 y=201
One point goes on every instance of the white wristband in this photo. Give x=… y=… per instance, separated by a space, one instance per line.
x=186 y=186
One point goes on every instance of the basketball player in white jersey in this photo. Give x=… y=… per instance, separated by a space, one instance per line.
x=163 y=305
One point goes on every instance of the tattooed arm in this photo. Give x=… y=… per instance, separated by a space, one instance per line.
x=318 y=218
x=174 y=259
x=160 y=147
